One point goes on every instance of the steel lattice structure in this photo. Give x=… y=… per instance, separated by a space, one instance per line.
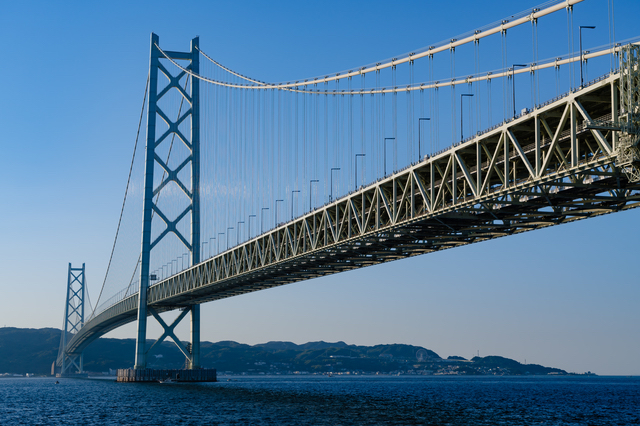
x=73 y=321
x=572 y=158
x=191 y=189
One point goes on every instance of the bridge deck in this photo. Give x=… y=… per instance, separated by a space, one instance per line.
x=543 y=168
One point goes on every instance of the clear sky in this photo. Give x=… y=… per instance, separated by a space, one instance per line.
x=73 y=77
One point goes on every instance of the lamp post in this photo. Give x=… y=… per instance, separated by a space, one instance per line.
x=262 y=219
x=293 y=192
x=310 y=182
x=462 y=95
x=355 y=181
x=589 y=27
x=250 y=216
x=331 y=189
x=211 y=245
x=385 y=153
x=209 y=248
x=186 y=261
x=228 y=229
x=219 y=233
x=513 y=83
x=420 y=120
x=275 y=219
x=238 y=232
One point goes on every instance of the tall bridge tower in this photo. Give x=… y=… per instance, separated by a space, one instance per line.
x=152 y=210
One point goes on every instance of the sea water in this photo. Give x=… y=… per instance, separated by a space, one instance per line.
x=322 y=400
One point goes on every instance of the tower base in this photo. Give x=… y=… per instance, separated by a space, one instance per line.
x=152 y=375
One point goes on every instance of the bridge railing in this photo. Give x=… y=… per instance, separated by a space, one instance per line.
x=131 y=289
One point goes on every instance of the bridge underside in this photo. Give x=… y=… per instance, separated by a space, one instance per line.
x=559 y=163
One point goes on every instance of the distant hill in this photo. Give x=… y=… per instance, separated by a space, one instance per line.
x=33 y=351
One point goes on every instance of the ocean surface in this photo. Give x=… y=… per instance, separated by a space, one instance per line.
x=321 y=400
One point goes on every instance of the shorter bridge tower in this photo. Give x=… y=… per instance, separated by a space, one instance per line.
x=73 y=321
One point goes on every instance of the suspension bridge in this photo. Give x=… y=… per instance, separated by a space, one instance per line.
x=249 y=185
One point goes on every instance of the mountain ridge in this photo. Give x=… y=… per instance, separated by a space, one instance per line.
x=33 y=351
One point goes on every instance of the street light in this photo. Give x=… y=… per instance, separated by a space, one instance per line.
x=275 y=219
x=219 y=233
x=513 y=82
x=310 y=182
x=462 y=95
x=262 y=219
x=228 y=229
x=385 y=153
x=589 y=27
x=293 y=192
x=356 y=170
x=238 y=232
x=250 y=216
x=420 y=120
x=331 y=189
x=209 y=248
x=211 y=245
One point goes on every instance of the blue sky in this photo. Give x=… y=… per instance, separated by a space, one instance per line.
x=73 y=78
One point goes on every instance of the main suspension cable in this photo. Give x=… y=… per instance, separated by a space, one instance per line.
x=135 y=148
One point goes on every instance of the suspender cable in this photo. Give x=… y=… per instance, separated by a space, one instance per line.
x=570 y=43
x=411 y=142
x=327 y=170
x=490 y=115
x=476 y=47
x=454 y=120
x=504 y=81
x=394 y=118
x=612 y=32
x=362 y=128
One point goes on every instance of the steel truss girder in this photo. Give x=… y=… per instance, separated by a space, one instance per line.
x=541 y=169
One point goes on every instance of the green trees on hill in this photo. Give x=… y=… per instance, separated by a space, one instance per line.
x=33 y=350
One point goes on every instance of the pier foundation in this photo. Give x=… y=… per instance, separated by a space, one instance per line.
x=153 y=375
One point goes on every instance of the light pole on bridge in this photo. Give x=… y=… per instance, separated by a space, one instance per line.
x=250 y=216
x=513 y=82
x=310 y=182
x=331 y=189
x=229 y=228
x=588 y=27
x=262 y=219
x=420 y=120
x=462 y=96
x=219 y=233
x=293 y=192
x=385 y=153
x=238 y=232
x=275 y=219
x=355 y=181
